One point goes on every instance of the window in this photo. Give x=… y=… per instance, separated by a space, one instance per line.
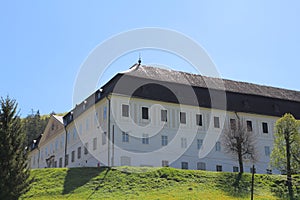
x=68 y=137
x=103 y=138
x=86 y=146
x=145 y=139
x=267 y=150
x=265 y=127
x=87 y=124
x=232 y=124
x=145 y=113
x=60 y=162
x=184 y=165
x=249 y=126
x=269 y=171
x=164 y=140
x=67 y=159
x=218 y=146
x=125 y=137
x=55 y=164
x=183 y=143
x=235 y=169
x=199 y=120
x=163 y=114
x=74 y=134
x=125 y=110
x=216 y=122
x=78 y=152
x=201 y=166
x=62 y=141
x=165 y=163
x=199 y=143
x=94 y=143
x=73 y=156
x=104 y=112
x=96 y=119
x=219 y=168
x=182 y=116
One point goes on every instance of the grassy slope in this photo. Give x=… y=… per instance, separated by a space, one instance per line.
x=150 y=183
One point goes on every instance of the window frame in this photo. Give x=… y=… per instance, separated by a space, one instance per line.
x=182 y=117
x=219 y=168
x=145 y=138
x=201 y=166
x=165 y=163
x=164 y=115
x=199 y=143
x=184 y=165
x=79 y=153
x=216 y=122
x=72 y=156
x=125 y=137
x=218 y=146
x=199 y=120
x=125 y=110
x=265 y=128
x=145 y=115
x=164 y=140
x=249 y=125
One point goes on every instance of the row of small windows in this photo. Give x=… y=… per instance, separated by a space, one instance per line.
x=164 y=142
x=199 y=119
x=79 y=151
x=202 y=166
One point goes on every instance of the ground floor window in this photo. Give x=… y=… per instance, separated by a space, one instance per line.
x=201 y=166
x=235 y=169
x=184 y=165
x=165 y=163
x=219 y=168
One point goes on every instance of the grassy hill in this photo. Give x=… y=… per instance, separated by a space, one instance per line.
x=151 y=183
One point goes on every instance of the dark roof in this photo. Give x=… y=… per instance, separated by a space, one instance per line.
x=196 y=80
x=240 y=96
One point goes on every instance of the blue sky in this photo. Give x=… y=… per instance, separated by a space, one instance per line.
x=43 y=44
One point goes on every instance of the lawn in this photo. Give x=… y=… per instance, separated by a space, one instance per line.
x=152 y=183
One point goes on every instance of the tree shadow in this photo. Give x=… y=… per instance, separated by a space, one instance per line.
x=77 y=177
x=100 y=182
x=234 y=184
x=279 y=187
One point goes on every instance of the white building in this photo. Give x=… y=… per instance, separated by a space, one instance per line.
x=155 y=117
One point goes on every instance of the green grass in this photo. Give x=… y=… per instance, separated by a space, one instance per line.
x=151 y=183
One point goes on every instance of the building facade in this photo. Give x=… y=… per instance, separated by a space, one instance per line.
x=155 y=117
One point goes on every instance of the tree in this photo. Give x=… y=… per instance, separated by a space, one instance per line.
x=285 y=155
x=14 y=172
x=239 y=141
x=34 y=125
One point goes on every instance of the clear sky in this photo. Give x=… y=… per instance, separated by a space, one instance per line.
x=43 y=44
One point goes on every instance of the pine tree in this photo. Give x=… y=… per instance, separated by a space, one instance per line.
x=34 y=125
x=14 y=172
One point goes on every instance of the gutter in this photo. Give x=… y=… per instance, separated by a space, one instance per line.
x=108 y=131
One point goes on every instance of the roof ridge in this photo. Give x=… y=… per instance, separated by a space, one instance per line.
x=198 y=80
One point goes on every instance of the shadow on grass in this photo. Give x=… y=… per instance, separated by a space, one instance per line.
x=77 y=177
x=100 y=182
x=234 y=184
x=279 y=187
